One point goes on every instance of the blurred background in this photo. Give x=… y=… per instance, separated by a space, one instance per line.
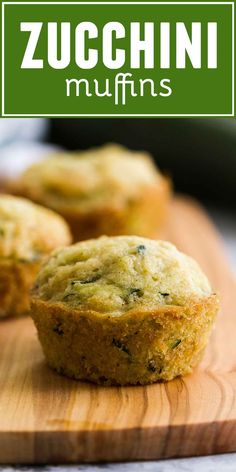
x=198 y=154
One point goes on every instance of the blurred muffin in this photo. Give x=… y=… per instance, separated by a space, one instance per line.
x=27 y=234
x=123 y=310
x=109 y=190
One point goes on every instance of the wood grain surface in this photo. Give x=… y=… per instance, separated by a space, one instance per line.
x=46 y=418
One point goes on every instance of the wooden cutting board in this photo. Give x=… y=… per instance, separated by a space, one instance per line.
x=46 y=418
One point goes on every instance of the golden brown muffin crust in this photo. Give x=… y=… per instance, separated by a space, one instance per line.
x=28 y=230
x=28 y=233
x=86 y=181
x=123 y=310
x=117 y=273
x=109 y=190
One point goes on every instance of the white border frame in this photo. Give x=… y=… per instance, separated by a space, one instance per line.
x=124 y=115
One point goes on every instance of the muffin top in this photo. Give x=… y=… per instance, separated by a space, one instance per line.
x=28 y=231
x=86 y=180
x=117 y=274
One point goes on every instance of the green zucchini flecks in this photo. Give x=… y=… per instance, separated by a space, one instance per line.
x=152 y=366
x=164 y=294
x=175 y=343
x=141 y=249
x=58 y=329
x=132 y=294
x=87 y=281
x=117 y=343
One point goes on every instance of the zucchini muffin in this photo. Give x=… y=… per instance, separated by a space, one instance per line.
x=109 y=190
x=27 y=234
x=123 y=310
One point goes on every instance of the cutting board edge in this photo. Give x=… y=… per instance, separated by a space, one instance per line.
x=92 y=446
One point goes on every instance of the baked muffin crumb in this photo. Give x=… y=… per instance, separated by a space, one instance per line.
x=123 y=310
x=109 y=190
x=112 y=275
x=28 y=233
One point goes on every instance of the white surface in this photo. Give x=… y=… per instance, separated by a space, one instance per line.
x=221 y=463
x=17 y=129
x=19 y=155
x=20 y=145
